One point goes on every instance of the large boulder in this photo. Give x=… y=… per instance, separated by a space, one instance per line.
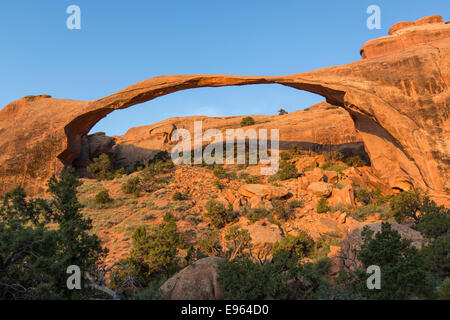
x=320 y=189
x=344 y=196
x=265 y=191
x=304 y=163
x=257 y=202
x=264 y=235
x=316 y=175
x=196 y=282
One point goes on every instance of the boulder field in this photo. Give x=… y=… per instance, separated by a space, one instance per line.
x=397 y=96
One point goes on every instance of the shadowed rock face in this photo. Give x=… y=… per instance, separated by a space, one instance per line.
x=398 y=99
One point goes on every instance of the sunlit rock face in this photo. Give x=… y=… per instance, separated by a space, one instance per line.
x=397 y=97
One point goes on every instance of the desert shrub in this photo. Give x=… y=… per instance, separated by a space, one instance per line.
x=281 y=210
x=444 y=289
x=257 y=214
x=355 y=161
x=333 y=156
x=322 y=205
x=339 y=207
x=434 y=224
x=247 y=121
x=248 y=178
x=330 y=166
x=301 y=245
x=242 y=279
x=102 y=197
x=131 y=185
x=285 y=156
x=220 y=172
x=237 y=241
x=437 y=257
x=102 y=169
x=282 y=112
x=148 y=217
x=218 y=184
x=209 y=243
x=367 y=196
x=286 y=171
x=177 y=196
x=295 y=150
x=218 y=214
x=154 y=253
x=361 y=213
x=412 y=204
x=294 y=204
x=160 y=156
x=282 y=278
x=33 y=256
x=161 y=163
x=403 y=268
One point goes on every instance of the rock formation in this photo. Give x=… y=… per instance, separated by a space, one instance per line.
x=320 y=128
x=398 y=97
x=196 y=282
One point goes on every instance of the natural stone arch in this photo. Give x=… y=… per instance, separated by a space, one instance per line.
x=398 y=100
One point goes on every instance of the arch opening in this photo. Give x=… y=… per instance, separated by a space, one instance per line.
x=323 y=127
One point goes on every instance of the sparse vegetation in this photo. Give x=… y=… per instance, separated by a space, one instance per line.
x=404 y=270
x=361 y=213
x=281 y=210
x=285 y=156
x=355 y=161
x=178 y=196
x=412 y=205
x=256 y=214
x=322 y=205
x=300 y=246
x=287 y=171
x=33 y=257
x=209 y=243
x=102 y=169
x=247 y=121
x=102 y=197
x=218 y=214
x=238 y=240
x=282 y=112
x=248 y=178
x=295 y=203
x=333 y=156
x=131 y=185
x=154 y=253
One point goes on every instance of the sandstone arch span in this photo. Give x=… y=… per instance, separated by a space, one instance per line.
x=399 y=100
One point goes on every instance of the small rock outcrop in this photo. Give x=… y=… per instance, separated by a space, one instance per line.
x=321 y=189
x=195 y=282
x=264 y=191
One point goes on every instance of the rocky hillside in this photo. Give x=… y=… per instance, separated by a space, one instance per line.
x=269 y=208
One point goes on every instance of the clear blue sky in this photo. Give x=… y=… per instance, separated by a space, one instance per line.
x=123 y=42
